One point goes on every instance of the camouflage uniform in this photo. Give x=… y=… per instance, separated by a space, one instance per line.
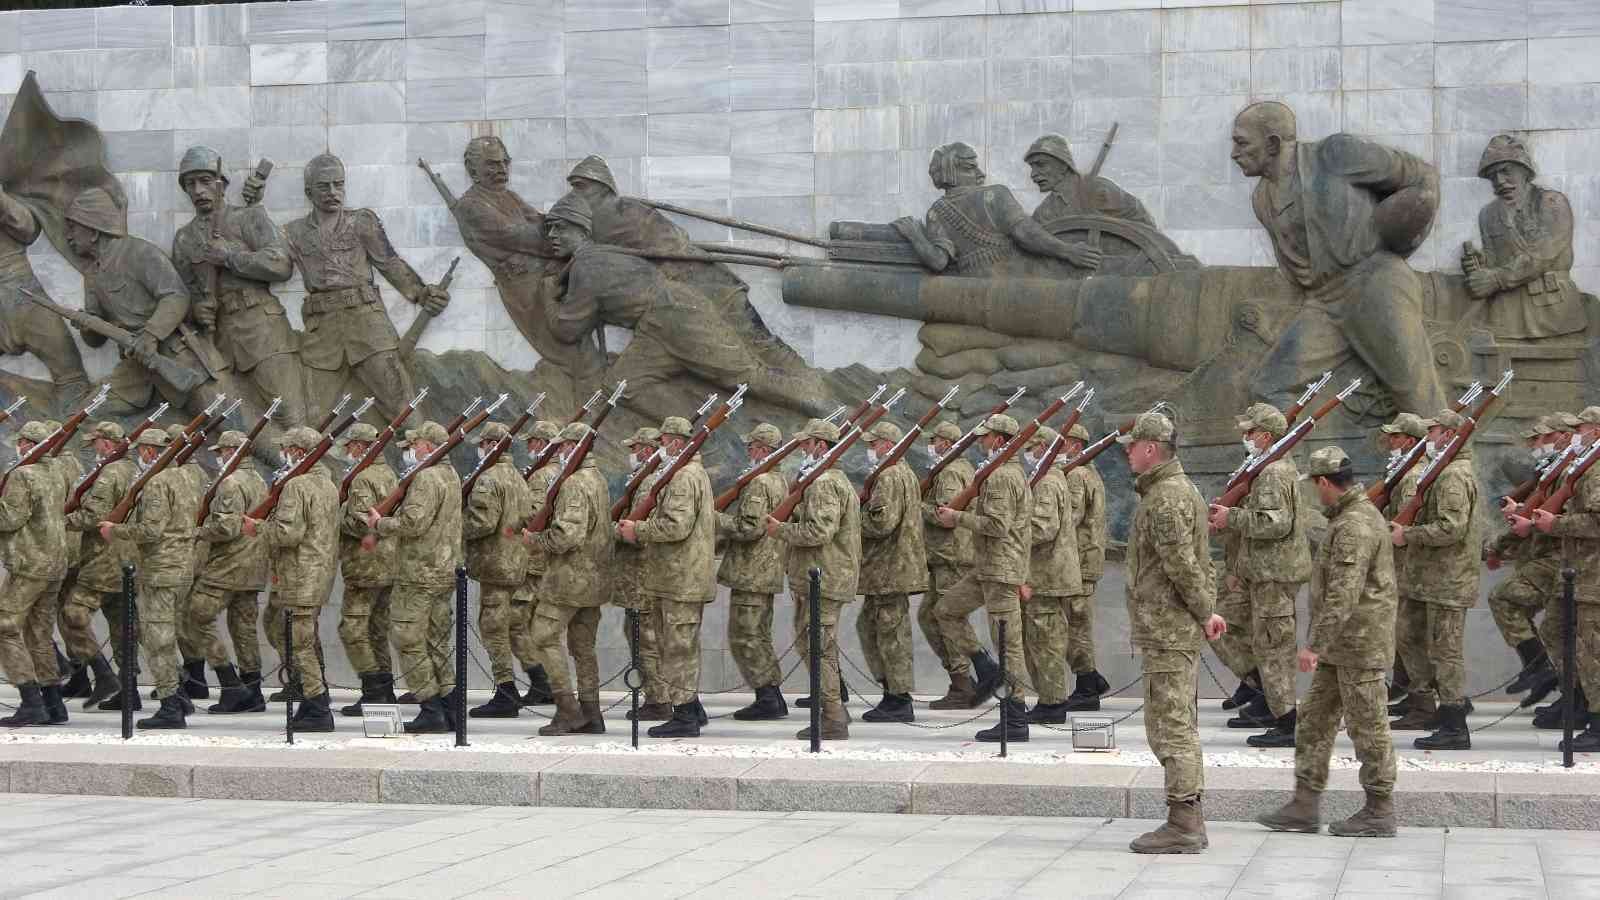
x=1053 y=576
x=525 y=603
x=364 y=614
x=1088 y=496
x=752 y=570
x=1579 y=530
x=679 y=540
x=498 y=504
x=575 y=546
x=627 y=569
x=1535 y=578
x=190 y=647
x=1443 y=565
x=100 y=569
x=33 y=547
x=234 y=572
x=894 y=564
x=70 y=468
x=949 y=552
x=1404 y=490
x=302 y=551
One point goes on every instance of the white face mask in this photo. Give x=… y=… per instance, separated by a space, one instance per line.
x=933 y=455
x=1249 y=447
x=1539 y=454
x=482 y=454
x=634 y=463
x=1395 y=456
x=1431 y=449
x=872 y=457
x=408 y=457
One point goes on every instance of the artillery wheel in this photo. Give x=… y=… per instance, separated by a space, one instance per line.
x=1130 y=248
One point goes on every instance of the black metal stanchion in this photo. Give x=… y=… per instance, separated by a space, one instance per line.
x=814 y=604
x=460 y=697
x=130 y=653
x=289 y=679
x=1004 y=690
x=634 y=677
x=1569 y=658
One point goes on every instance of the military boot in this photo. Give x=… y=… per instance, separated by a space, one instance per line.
x=594 y=721
x=652 y=712
x=1245 y=692
x=685 y=723
x=1255 y=714
x=193 y=679
x=504 y=705
x=55 y=707
x=1452 y=733
x=1281 y=734
x=1422 y=716
x=77 y=686
x=1403 y=705
x=184 y=701
x=292 y=692
x=430 y=719
x=106 y=683
x=1302 y=814
x=30 y=711
x=113 y=703
x=835 y=727
x=252 y=683
x=235 y=697
x=371 y=692
x=538 y=688
x=986 y=673
x=1183 y=832
x=769 y=705
x=1051 y=713
x=1397 y=692
x=568 y=719
x=1535 y=662
x=1375 y=819
x=383 y=688
x=963 y=694
x=1016 y=725
x=1086 y=693
x=892 y=708
x=169 y=717
x=1552 y=717
x=1586 y=741
x=314 y=715
x=700 y=716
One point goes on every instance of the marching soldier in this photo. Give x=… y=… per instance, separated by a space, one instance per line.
x=232 y=575
x=1001 y=519
x=679 y=538
x=525 y=603
x=1053 y=576
x=627 y=568
x=190 y=647
x=825 y=534
x=100 y=571
x=575 y=545
x=894 y=564
x=1351 y=639
x=33 y=547
x=1535 y=578
x=949 y=559
x=1088 y=495
x=364 y=617
x=752 y=570
x=498 y=560
x=1399 y=436
x=70 y=469
x=1171 y=598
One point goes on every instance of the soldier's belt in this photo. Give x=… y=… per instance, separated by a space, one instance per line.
x=333 y=301
x=1548 y=283
x=510 y=266
x=236 y=301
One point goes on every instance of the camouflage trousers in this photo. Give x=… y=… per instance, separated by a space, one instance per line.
x=1080 y=630
x=884 y=627
x=750 y=638
x=1587 y=651
x=422 y=619
x=648 y=651
x=111 y=606
x=1268 y=639
x=494 y=628
x=158 y=635
x=1361 y=698
x=1171 y=722
x=678 y=627
x=524 y=606
x=206 y=604
x=581 y=627
x=304 y=656
x=1515 y=602
x=364 y=629
x=244 y=631
x=940 y=579
x=1236 y=648
x=1003 y=603
x=1046 y=626
x=829 y=614
x=1431 y=639
x=27 y=627
x=76 y=620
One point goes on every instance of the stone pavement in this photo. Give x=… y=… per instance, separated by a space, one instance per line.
x=124 y=847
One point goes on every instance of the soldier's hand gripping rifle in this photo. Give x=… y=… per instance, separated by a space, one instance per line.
x=541 y=519
x=180 y=376
x=81 y=489
x=642 y=509
x=965 y=441
x=1060 y=441
x=68 y=428
x=234 y=460
x=120 y=513
x=275 y=490
x=333 y=414
x=198 y=438
x=1289 y=417
x=898 y=451
x=538 y=462
x=375 y=451
x=1014 y=446
x=1408 y=514
x=1557 y=501
x=8 y=412
x=852 y=433
x=1381 y=490
x=772 y=460
x=408 y=341
x=629 y=490
x=1281 y=447
x=389 y=504
x=499 y=449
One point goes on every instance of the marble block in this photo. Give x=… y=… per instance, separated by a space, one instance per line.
x=1481 y=62
x=366 y=61
x=1386 y=21
x=694 y=134
x=1294 y=25
x=286 y=23
x=305 y=63
x=773 y=131
x=444 y=99
x=365 y=20
x=289 y=104
x=359 y=103
x=520 y=98
x=431 y=18
x=774 y=175
x=133 y=26
x=676 y=13
x=61 y=29
x=1566 y=60
x=1206 y=28
x=773 y=42
x=132 y=69
x=444 y=57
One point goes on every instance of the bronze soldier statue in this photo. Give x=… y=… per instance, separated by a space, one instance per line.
x=1069 y=192
x=24 y=326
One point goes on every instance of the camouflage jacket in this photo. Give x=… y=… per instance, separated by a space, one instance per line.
x=1443 y=546
x=1578 y=528
x=893 y=558
x=825 y=533
x=577 y=542
x=627 y=561
x=300 y=538
x=499 y=503
x=1088 y=493
x=1353 y=597
x=197 y=481
x=100 y=569
x=753 y=561
x=1053 y=571
x=161 y=526
x=680 y=538
x=427 y=529
x=947 y=546
x=234 y=561
x=538 y=488
x=1172 y=589
x=33 y=534
x=1001 y=518
x=1402 y=494
x=70 y=468
x=1272 y=537
x=360 y=568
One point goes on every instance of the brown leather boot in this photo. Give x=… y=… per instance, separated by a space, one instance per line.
x=1183 y=832
x=569 y=717
x=653 y=712
x=1422 y=716
x=835 y=726
x=594 y=722
x=1302 y=814
x=963 y=694
x=1376 y=819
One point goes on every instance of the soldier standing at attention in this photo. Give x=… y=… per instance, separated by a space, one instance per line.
x=231 y=576
x=627 y=568
x=33 y=547
x=190 y=647
x=949 y=559
x=894 y=565
x=575 y=546
x=1001 y=519
x=426 y=530
x=1053 y=575
x=1171 y=598
x=525 y=603
x=498 y=560
x=1088 y=495
x=368 y=576
x=680 y=539
x=1271 y=562
x=752 y=570
x=1399 y=436
x=100 y=572
x=1350 y=641
x=825 y=534
x=1443 y=556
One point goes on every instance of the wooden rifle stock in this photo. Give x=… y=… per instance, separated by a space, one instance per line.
x=1557 y=501
x=46 y=447
x=1061 y=438
x=1380 y=492
x=541 y=519
x=81 y=489
x=796 y=493
x=965 y=441
x=902 y=446
x=1408 y=515
x=631 y=489
x=499 y=449
x=1014 y=446
x=461 y=418
x=1280 y=448
x=642 y=509
x=197 y=438
x=233 y=462
x=375 y=451
x=772 y=461
x=120 y=513
x=389 y=504
x=538 y=462
x=314 y=456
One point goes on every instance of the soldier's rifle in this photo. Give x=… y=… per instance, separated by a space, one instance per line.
x=461 y=418
x=198 y=438
x=213 y=272
x=629 y=490
x=180 y=376
x=231 y=465
x=1085 y=185
x=499 y=449
x=8 y=412
x=541 y=519
x=56 y=438
x=375 y=452
x=1557 y=501
x=62 y=436
x=1014 y=446
x=1290 y=416
x=1061 y=438
x=408 y=341
x=1381 y=490
x=647 y=503
x=285 y=475
x=81 y=489
x=1408 y=514
x=907 y=440
x=965 y=441
x=124 y=507
x=1087 y=454
x=389 y=504
x=852 y=433
x=1281 y=447
x=770 y=462
x=538 y=462
x=333 y=414
x=1545 y=483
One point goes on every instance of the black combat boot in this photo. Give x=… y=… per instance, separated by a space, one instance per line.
x=1452 y=733
x=314 y=715
x=539 y=693
x=986 y=672
x=1397 y=692
x=384 y=688
x=1255 y=714
x=769 y=705
x=685 y=723
x=1053 y=713
x=194 y=680
x=184 y=701
x=892 y=708
x=252 y=683
x=1086 y=693
x=1552 y=717
x=169 y=717
x=1403 y=705
x=55 y=707
x=1535 y=666
x=430 y=719
x=1016 y=729
x=106 y=683
x=30 y=711
x=113 y=703
x=1245 y=692
x=235 y=697
x=292 y=691
x=1281 y=734
x=1586 y=741
x=504 y=705
x=700 y=712
x=594 y=721
x=369 y=694
x=409 y=698
x=77 y=686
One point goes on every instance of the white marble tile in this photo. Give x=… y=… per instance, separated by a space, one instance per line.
x=305 y=63
x=457 y=18
x=774 y=175
x=1134 y=31
x=1481 y=20
x=444 y=100
x=55 y=70
x=850 y=10
x=11 y=72
x=134 y=26
x=289 y=104
x=366 y=20
x=286 y=23
x=1294 y=69
x=375 y=144
x=444 y=57
x=1565 y=60
x=63 y=29
x=678 y=176
x=1294 y=25
x=366 y=60
x=1386 y=21
x=536 y=96
x=365 y=102
x=133 y=69
x=1226 y=28
x=1189 y=74
x=1562 y=18
x=1480 y=62
x=155 y=110
x=693 y=134
x=1400 y=66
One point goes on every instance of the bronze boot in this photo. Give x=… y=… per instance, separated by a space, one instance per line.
x=1183 y=832
x=569 y=717
x=1302 y=814
x=1376 y=819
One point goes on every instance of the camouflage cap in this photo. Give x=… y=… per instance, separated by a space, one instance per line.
x=432 y=432
x=110 y=431
x=1053 y=145
x=176 y=432
x=595 y=169
x=35 y=432
x=644 y=436
x=677 y=426
x=1563 y=421
x=884 y=430
x=493 y=431
x=1078 y=431
x=1326 y=461
x=1043 y=437
x=1446 y=418
x=301 y=437
x=572 y=208
x=1263 y=417
x=574 y=431
x=360 y=432
x=999 y=423
x=1532 y=432
x=152 y=437
x=229 y=440
x=1150 y=426
x=949 y=431
x=819 y=429
x=1406 y=423
x=200 y=158
x=1589 y=415
x=94 y=208
x=1505 y=148
x=541 y=430
x=764 y=433
x=52 y=424
x=1540 y=427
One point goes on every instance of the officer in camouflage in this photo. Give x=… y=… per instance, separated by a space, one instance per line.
x=233 y=574
x=894 y=564
x=627 y=568
x=100 y=570
x=1399 y=436
x=70 y=469
x=364 y=617
x=525 y=603
x=1087 y=492
x=1053 y=575
x=33 y=548
x=752 y=570
x=1351 y=639
x=498 y=560
x=190 y=646
x=1535 y=578
x=949 y=559
x=1582 y=430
